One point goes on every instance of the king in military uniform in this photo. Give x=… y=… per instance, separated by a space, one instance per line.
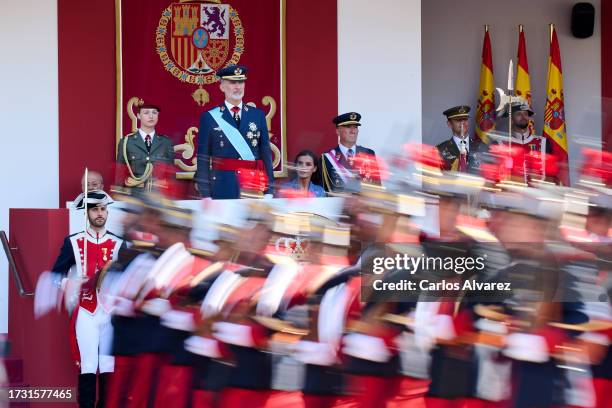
x=347 y=165
x=145 y=154
x=459 y=153
x=233 y=138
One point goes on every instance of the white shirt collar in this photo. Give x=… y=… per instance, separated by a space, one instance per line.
x=230 y=106
x=345 y=150
x=457 y=140
x=522 y=137
x=93 y=234
x=144 y=135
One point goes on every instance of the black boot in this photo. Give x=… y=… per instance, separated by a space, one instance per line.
x=87 y=390
x=103 y=381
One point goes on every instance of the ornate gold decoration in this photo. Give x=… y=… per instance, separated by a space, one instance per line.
x=200 y=96
x=269 y=101
x=130 y=111
x=276 y=155
x=201 y=1
x=187 y=151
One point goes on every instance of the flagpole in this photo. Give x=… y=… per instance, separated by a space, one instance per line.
x=86 y=219
x=520 y=28
x=510 y=93
x=551 y=27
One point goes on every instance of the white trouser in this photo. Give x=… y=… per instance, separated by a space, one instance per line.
x=94 y=334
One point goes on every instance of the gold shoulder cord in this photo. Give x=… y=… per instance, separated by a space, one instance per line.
x=455 y=165
x=132 y=180
x=325 y=174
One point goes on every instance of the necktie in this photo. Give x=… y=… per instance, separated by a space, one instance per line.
x=235 y=111
x=350 y=156
x=463 y=156
x=148 y=142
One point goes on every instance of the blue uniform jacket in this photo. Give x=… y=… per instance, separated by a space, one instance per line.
x=214 y=143
x=332 y=180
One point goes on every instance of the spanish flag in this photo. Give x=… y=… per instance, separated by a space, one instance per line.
x=523 y=83
x=485 y=111
x=554 y=111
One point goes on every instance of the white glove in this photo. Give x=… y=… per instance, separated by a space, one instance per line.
x=48 y=294
x=232 y=333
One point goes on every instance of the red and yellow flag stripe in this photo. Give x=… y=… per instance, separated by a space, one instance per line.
x=523 y=81
x=485 y=110
x=554 y=112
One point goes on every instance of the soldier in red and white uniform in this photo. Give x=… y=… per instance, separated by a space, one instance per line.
x=531 y=163
x=91 y=329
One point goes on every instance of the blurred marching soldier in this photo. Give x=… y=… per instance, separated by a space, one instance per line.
x=139 y=242
x=145 y=155
x=444 y=319
x=460 y=152
x=327 y=312
x=371 y=347
x=251 y=286
x=176 y=304
x=596 y=177
x=542 y=307
x=210 y=373
x=141 y=290
x=233 y=137
x=91 y=330
x=348 y=164
x=122 y=280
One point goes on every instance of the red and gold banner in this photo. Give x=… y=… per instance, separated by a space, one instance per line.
x=554 y=111
x=485 y=110
x=168 y=52
x=523 y=81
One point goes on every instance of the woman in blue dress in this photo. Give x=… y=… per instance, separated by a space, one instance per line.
x=302 y=184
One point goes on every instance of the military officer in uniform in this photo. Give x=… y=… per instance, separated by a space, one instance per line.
x=233 y=137
x=347 y=165
x=145 y=155
x=460 y=152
